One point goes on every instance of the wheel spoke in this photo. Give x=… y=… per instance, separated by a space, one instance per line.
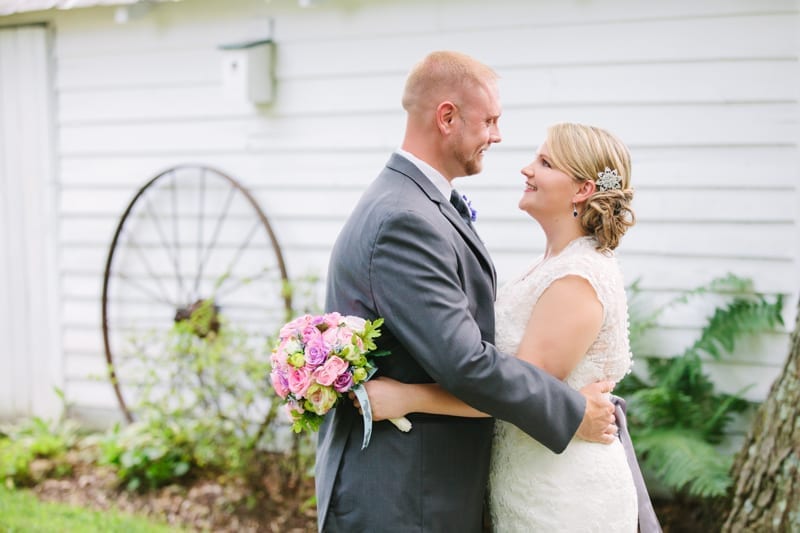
x=241 y=280
x=138 y=249
x=171 y=253
x=238 y=254
x=176 y=239
x=155 y=296
x=200 y=220
x=223 y=215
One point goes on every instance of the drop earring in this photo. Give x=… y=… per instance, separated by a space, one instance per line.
x=574 y=210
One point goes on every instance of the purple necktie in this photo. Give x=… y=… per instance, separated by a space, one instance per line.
x=461 y=207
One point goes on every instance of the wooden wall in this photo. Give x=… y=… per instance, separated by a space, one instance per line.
x=704 y=93
x=31 y=363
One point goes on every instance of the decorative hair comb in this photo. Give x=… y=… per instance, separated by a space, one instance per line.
x=609 y=180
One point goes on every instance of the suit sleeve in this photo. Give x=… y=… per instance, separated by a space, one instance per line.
x=415 y=278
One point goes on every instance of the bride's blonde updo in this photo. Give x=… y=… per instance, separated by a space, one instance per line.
x=583 y=152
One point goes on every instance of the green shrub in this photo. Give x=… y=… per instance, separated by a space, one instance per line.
x=145 y=456
x=15 y=460
x=676 y=415
x=23 y=443
x=205 y=403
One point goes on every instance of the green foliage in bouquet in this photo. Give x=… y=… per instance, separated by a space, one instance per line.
x=372 y=330
x=676 y=415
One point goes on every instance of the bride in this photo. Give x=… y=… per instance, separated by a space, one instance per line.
x=567 y=314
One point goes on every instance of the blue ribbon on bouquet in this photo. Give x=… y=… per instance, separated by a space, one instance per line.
x=366 y=413
x=366 y=409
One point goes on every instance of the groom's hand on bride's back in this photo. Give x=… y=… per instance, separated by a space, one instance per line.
x=598 y=423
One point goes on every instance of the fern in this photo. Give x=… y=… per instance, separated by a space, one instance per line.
x=682 y=459
x=740 y=317
x=646 y=320
x=676 y=416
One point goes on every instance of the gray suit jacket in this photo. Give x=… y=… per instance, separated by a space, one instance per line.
x=406 y=255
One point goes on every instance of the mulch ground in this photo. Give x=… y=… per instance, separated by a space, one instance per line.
x=279 y=506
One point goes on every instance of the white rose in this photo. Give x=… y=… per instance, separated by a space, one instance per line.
x=355 y=323
x=293 y=346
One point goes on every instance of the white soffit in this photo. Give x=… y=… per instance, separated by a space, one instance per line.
x=9 y=7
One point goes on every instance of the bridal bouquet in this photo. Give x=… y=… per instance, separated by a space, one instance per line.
x=319 y=359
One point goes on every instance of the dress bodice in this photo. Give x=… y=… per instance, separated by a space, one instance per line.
x=609 y=356
x=588 y=487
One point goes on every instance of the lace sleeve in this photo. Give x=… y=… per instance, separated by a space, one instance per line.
x=609 y=356
x=585 y=266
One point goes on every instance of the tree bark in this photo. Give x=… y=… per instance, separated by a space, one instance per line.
x=766 y=472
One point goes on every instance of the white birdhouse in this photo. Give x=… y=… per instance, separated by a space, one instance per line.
x=248 y=71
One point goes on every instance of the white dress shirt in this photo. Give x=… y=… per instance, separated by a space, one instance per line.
x=433 y=175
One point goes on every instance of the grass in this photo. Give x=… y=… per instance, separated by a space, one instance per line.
x=21 y=511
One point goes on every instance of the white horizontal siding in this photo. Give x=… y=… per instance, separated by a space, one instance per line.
x=684 y=125
x=704 y=93
x=709 y=82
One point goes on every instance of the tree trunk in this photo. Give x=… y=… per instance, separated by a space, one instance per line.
x=766 y=472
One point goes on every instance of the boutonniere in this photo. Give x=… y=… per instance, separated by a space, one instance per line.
x=473 y=213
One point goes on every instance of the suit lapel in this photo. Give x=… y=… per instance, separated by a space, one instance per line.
x=471 y=236
x=402 y=165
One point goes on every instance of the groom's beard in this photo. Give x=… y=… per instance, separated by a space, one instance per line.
x=469 y=161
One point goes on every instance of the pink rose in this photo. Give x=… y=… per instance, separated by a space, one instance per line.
x=332 y=320
x=332 y=369
x=344 y=337
x=330 y=337
x=337 y=338
x=320 y=398
x=295 y=326
x=311 y=334
x=280 y=383
x=299 y=380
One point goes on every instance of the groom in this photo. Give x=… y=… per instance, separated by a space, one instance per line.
x=407 y=254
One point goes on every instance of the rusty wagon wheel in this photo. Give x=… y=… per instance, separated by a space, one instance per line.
x=191 y=235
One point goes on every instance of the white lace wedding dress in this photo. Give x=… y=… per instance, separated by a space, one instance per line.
x=589 y=486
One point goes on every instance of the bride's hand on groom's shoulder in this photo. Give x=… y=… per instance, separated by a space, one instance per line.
x=598 y=423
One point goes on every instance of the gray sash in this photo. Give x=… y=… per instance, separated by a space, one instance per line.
x=648 y=521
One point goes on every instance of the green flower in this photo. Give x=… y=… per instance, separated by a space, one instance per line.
x=359 y=375
x=297 y=359
x=320 y=398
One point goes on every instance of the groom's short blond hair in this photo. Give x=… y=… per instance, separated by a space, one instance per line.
x=443 y=75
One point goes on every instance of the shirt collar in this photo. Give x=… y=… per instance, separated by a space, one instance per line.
x=433 y=175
